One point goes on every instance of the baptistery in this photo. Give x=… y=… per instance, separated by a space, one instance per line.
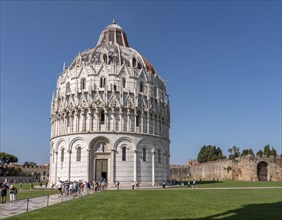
x=110 y=116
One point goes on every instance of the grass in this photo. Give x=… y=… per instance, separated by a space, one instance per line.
x=215 y=184
x=26 y=193
x=182 y=203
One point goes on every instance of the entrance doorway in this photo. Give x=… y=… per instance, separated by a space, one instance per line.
x=101 y=169
x=262 y=171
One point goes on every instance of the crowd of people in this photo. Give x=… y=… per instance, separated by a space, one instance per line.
x=75 y=188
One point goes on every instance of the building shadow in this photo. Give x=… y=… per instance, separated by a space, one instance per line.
x=268 y=211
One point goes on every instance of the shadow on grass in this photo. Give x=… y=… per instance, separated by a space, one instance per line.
x=203 y=182
x=253 y=211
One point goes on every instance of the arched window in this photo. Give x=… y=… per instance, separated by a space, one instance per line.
x=82 y=83
x=155 y=91
x=105 y=58
x=133 y=62
x=123 y=82
x=102 y=82
x=102 y=117
x=138 y=119
x=144 y=154
x=115 y=87
x=78 y=154
x=141 y=87
x=62 y=154
x=68 y=87
x=124 y=153
x=159 y=155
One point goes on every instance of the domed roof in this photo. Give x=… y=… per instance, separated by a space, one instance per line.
x=113 y=46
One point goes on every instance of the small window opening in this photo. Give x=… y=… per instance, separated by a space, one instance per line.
x=62 y=154
x=102 y=117
x=82 y=83
x=78 y=154
x=144 y=154
x=124 y=153
x=141 y=87
x=123 y=82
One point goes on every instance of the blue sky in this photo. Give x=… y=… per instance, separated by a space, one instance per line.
x=221 y=61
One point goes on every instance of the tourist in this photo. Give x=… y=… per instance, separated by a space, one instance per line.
x=188 y=184
x=132 y=185
x=13 y=192
x=194 y=183
x=104 y=184
x=3 y=188
x=163 y=184
x=21 y=186
x=117 y=184
x=60 y=186
x=30 y=186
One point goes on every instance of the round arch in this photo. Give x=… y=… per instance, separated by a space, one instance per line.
x=262 y=169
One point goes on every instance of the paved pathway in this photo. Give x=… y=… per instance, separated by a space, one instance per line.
x=21 y=206
x=24 y=205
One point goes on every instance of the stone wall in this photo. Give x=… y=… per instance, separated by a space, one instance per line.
x=178 y=172
x=243 y=168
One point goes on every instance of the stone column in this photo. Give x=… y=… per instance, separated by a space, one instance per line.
x=120 y=120
x=76 y=121
x=153 y=122
x=135 y=166
x=113 y=119
x=153 y=168
x=70 y=122
x=56 y=167
x=69 y=165
x=97 y=119
x=128 y=120
x=164 y=166
x=142 y=123
x=148 y=123
x=65 y=124
x=55 y=126
x=58 y=125
x=88 y=165
x=135 y=119
x=106 y=120
x=113 y=166
x=80 y=121
x=88 y=120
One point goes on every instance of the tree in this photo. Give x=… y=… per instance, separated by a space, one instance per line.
x=28 y=164
x=209 y=153
x=273 y=152
x=246 y=152
x=6 y=159
x=260 y=153
x=234 y=152
x=266 y=150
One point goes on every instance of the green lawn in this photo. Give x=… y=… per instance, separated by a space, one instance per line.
x=215 y=184
x=35 y=192
x=168 y=204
